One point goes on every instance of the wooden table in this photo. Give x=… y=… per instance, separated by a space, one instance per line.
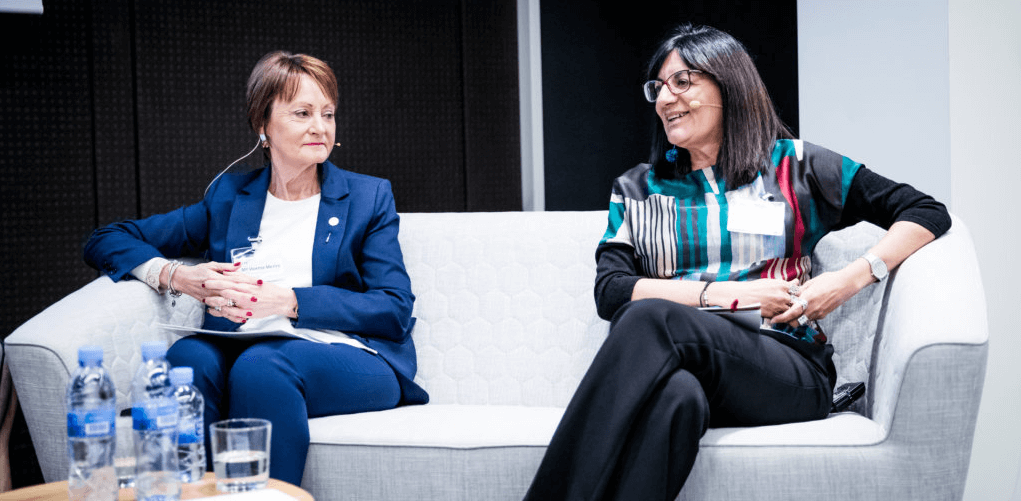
x=57 y=491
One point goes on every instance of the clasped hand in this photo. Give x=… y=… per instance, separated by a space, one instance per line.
x=815 y=299
x=228 y=293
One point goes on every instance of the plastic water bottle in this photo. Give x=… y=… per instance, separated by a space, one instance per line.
x=191 y=448
x=91 y=429
x=154 y=421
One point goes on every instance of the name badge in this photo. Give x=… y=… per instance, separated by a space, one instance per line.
x=759 y=217
x=258 y=263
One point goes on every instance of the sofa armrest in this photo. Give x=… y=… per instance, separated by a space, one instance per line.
x=42 y=352
x=933 y=343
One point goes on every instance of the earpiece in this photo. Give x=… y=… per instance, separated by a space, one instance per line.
x=698 y=104
x=262 y=137
x=338 y=144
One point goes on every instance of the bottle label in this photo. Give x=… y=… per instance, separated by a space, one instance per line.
x=93 y=423
x=189 y=431
x=155 y=414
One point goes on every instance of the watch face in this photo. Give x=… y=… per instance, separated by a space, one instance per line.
x=878 y=268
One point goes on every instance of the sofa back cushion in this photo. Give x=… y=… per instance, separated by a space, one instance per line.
x=506 y=314
x=852 y=327
x=504 y=304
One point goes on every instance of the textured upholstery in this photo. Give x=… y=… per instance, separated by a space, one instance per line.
x=507 y=327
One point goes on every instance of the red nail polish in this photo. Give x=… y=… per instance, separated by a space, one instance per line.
x=203 y=285
x=254 y=299
x=249 y=313
x=203 y=300
x=259 y=282
x=243 y=320
x=237 y=264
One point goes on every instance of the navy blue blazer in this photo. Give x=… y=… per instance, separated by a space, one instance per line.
x=359 y=283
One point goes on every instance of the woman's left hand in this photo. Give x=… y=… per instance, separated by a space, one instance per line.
x=239 y=301
x=823 y=294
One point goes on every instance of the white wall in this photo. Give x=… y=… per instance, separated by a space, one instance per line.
x=985 y=107
x=871 y=93
x=929 y=93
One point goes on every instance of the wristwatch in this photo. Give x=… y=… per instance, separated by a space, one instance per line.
x=878 y=266
x=153 y=268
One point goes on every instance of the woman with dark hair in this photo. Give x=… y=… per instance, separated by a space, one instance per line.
x=727 y=212
x=299 y=249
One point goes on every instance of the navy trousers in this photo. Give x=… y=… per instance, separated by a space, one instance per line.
x=666 y=373
x=286 y=381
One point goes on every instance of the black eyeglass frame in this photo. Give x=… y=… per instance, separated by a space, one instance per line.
x=653 y=87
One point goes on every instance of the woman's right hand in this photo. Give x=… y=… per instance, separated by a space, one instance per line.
x=191 y=280
x=772 y=294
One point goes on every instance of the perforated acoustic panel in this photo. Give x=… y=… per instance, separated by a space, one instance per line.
x=46 y=179
x=408 y=94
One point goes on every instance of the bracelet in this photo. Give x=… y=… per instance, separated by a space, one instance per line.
x=170 y=279
x=703 y=298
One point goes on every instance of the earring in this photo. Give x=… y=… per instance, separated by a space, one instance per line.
x=671 y=154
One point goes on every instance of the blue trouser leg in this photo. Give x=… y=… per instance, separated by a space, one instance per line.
x=211 y=358
x=288 y=381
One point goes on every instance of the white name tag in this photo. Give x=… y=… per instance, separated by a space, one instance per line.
x=258 y=263
x=755 y=216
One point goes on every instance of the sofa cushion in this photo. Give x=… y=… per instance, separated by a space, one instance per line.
x=852 y=327
x=441 y=425
x=504 y=304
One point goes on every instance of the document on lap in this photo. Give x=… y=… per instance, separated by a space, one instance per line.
x=747 y=316
x=253 y=335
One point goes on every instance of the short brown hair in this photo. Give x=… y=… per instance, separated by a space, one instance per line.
x=278 y=74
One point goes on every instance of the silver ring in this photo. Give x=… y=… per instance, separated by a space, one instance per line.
x=231 y=303
x=803 y=320
x=217 y=308
x=794 y=289
x=803 y=302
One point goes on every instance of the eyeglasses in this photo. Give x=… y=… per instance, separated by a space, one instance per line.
x=677 y=83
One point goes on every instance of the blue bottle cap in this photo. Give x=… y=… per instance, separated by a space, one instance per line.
x=154 y=349
x=90 y=355
x=180 y=376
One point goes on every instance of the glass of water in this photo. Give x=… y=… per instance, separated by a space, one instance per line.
x=124 y=457
x=240 y=450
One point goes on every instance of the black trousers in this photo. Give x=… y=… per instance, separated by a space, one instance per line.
x=666 y=373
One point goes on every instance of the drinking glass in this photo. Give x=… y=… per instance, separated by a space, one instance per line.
x=240 y=453
x=124 y=455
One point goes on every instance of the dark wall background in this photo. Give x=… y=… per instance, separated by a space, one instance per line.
x=596 y=122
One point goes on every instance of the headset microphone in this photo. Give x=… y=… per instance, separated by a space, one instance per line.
x=338 y=144
x=698 y=104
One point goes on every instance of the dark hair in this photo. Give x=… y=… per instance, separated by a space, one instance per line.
x=278 y=74
x=750 y=124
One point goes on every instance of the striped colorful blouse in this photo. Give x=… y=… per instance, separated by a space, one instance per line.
x=694 y=227
x=687 y=228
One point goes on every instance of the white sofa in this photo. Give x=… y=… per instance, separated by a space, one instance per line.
x=506 y=328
